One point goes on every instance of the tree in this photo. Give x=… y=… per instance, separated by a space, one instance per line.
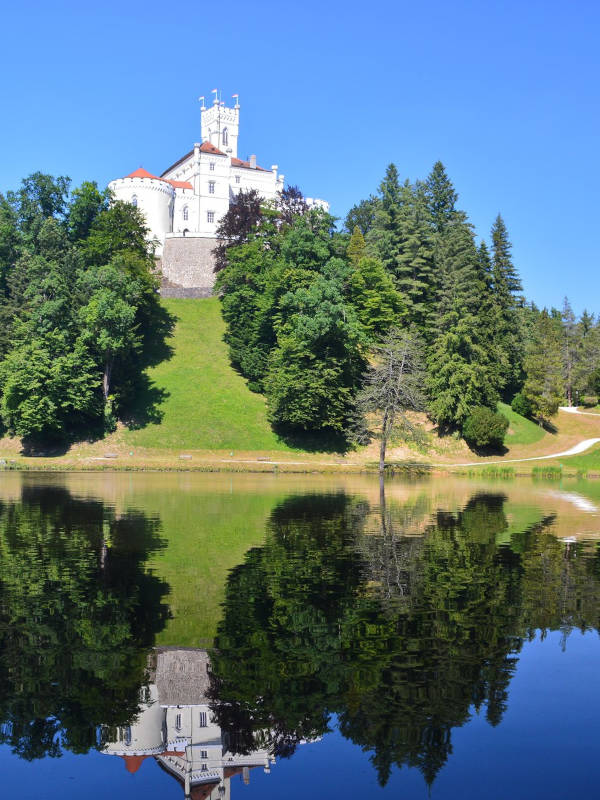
x=119 y=229
x=384 y=237
x=507 y=290
x=485 y=428
x=544 y=387
x=108 y=321
x=314 y=371
x=40 y=196
x=506 y=277
x=461 y=373
x=587 y=367
x=440 y=197
x=291 y=203
x=393 y=384
x=376 y=301
x=235 y=226
x=415 y=271
x=356 y=246
x=87 y=202
x=47 y=385
x=571 y=349
x=362 y=216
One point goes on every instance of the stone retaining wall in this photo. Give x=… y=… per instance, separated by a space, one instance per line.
x=187 y=263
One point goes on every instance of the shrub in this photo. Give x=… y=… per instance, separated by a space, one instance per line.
x=521 y=405
x=589 y=400
x=485 y=428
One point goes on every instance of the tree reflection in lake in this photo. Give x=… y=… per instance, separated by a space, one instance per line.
x=78 y=613
x=401 y=637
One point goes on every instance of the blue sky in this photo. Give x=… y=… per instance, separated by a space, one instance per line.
x=504 y=93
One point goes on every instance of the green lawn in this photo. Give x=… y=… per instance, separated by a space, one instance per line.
x=520 y=429
x=589 y=461
x=209 y=406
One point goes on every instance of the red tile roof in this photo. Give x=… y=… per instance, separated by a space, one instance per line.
x=181 y=184
x=143 y=173
x=203 y=790
x=236 y=162
x=133 y=763
x=208 y=147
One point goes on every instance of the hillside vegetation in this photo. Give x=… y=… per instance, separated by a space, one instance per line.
x=208 y=405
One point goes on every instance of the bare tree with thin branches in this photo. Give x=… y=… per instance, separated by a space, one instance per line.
x=393 y=384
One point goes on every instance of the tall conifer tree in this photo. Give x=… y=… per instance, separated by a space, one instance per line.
x=384 y=237
x=440 y=196
x=507 y=292
x=571 y=349
x=415 y=270
x=461 y=372
x=544 y=387
x=356 y=246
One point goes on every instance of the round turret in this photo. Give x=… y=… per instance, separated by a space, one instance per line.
x=154 y=196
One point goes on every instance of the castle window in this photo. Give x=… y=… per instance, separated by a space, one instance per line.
x=212 y=166
x=237 y=178
x=178 y=722
x=134 y=200
x=210 y=216
x=211 y=187
x=127 y=735
x=186 y=213
x=203 y=720
x=204 y=754
x=225 y=137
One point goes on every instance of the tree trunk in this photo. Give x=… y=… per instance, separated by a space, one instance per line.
x=106 y=379
x=383 y=444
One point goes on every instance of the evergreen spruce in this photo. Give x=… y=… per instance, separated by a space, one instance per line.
x=571 y=349
x=384 y=238
x=544 y=387
x=356 y=246
x=415 y=269
x=440 y=197
x=461 y=370
x=507 y=291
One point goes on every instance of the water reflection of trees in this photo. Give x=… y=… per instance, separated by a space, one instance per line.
x=77 y=615
x=400 y=636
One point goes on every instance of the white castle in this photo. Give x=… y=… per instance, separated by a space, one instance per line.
x=175 y=726
x=187 y=201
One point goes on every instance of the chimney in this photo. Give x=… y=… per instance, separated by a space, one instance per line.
x=253 y=162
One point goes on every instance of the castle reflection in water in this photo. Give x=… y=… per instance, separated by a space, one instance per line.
x=175 y=727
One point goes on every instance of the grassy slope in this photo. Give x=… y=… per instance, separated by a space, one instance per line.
x=210 y=412
x=209 y=406
x=520 y=429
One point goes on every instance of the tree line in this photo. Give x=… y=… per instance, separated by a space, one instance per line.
x=311 y=313
x=80 y=315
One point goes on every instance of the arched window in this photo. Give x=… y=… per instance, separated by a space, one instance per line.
x=225 y=137
x=185 y=212
x=134 y=200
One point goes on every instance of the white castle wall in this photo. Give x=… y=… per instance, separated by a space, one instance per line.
x=154 y=197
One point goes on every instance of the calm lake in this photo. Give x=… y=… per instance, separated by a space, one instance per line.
x=258 y=636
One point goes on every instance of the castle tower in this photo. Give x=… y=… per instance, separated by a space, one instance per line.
x=220 y=125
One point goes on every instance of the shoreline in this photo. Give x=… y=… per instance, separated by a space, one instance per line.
x=409 y=470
